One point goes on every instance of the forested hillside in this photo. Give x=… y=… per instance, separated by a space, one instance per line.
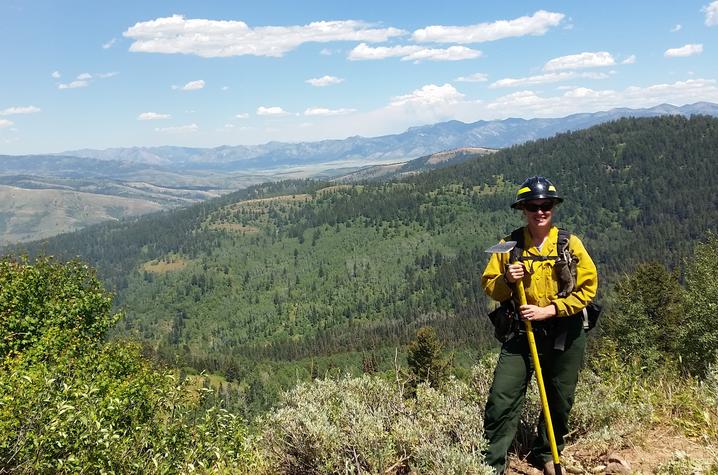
x=326 y=275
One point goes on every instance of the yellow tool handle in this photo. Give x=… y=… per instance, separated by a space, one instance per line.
x=539 y=379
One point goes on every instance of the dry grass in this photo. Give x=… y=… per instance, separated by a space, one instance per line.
x=163 y=266
x=275 y=199
x=333 y=189
x=236 y=227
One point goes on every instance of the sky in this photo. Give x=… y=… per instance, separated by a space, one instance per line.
x=100 y=74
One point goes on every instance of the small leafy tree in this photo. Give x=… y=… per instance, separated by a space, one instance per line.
x=48 y=308
x=700 y=338
x=646 y=323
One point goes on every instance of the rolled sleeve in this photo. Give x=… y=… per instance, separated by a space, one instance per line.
x=492 y=280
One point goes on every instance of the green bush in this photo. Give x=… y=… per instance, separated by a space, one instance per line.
x=110 y=411
x=48 y=308
x=647 y=321
x=366 y=425
x=700 y=340
x=71 y=404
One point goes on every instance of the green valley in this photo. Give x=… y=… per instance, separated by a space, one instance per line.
x=298 y=272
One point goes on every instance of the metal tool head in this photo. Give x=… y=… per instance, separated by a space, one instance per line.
x=502 y=247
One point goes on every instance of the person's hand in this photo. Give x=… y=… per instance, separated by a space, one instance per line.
x=534 y=313
x=514 y=273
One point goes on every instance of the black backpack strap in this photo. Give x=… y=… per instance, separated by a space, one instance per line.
x=518 y=250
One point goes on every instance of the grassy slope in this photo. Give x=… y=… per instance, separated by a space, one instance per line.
x=32 y=214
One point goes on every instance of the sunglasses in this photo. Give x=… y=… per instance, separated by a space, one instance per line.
x=532 y=207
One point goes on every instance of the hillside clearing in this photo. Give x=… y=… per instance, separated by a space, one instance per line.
x=164 y=266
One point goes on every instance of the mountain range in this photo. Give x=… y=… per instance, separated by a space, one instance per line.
x=353 y=151
x=151 y=178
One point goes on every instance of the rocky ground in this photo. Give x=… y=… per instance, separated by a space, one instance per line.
x=660 y=451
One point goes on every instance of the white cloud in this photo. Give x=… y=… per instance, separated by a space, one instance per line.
x=453 y=53
x=153 y=116
x=74 y=85
x=366 y=52
x=242 y=115
x=412 y=53
x=84 y=80
x=430 y=94
x=271 y=111
x=182 y=129
x=19 y=110
x=223 y=38
x=321 y=111
x=55 y=75
x=325 y=52
x=537 y=24
x=711 y=11
x=684 y=51
x=416 y=108
x=324 y=81
x=584 y=92
x=193 y=85
x=676 y=28
x=476 y=77
x=5 y=123
x=546 y=78
x=581 y=99
x=630 y=60
x=579 y=61
x=225 y=88
x=109 y=44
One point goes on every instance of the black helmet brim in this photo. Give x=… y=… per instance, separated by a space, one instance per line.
x=517 y=204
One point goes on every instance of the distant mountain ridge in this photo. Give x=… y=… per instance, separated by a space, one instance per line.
x=361 y=151
x=170 y=176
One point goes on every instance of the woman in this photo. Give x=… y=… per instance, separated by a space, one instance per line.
x=556 y=316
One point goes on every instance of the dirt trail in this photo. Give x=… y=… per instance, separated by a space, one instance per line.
x=658 y=447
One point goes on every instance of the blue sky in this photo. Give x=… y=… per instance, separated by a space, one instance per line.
x=94 y=74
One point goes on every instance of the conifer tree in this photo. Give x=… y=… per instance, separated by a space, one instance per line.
x=426 y=360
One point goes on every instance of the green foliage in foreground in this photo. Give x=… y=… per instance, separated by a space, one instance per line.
x=110 y=411
x=69 y=403
x=103 y=407
x=47 y=307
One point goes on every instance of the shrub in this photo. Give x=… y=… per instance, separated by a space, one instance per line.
x=366 y=425
x=48 y=308
x=110 y=411
x=681 y=462
x=71 y=404
x=700 y=341
x=647 y=322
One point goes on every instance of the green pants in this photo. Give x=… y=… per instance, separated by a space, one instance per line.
x=514 y=370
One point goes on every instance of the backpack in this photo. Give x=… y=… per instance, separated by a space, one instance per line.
x=566 y=264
